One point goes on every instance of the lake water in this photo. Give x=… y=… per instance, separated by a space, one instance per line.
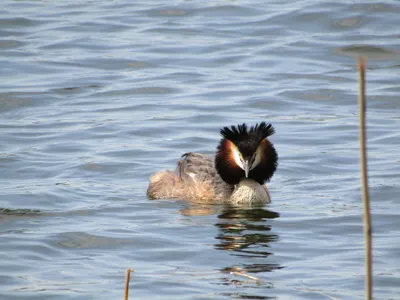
x=95 y=96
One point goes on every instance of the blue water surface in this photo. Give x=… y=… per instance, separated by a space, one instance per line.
x=95 y=96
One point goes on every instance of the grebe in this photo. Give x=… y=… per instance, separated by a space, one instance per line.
x=245 y=159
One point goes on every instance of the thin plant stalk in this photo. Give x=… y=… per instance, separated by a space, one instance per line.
x=364 y=181
x=127 y=279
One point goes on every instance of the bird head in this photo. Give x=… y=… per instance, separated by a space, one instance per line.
x=246 y=153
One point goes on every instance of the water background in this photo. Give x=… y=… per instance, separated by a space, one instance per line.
x=95 y=96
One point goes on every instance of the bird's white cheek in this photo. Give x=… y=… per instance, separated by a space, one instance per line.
x=236 y=157
x=257 y=159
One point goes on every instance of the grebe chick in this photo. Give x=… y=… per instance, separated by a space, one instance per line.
x=245 y=159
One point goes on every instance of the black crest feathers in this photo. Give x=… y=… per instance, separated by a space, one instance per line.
x=241 y=132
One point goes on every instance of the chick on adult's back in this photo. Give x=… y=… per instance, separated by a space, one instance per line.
x=245 y=159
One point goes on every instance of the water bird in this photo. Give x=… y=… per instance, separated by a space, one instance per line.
x=245 y=159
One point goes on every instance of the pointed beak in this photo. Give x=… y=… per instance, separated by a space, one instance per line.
x=246 y=167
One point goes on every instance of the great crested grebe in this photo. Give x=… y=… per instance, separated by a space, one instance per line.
x=245 y=159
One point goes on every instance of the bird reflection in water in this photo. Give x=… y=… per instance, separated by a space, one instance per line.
x=245 y=231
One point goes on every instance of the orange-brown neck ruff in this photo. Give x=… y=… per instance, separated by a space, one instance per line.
x=229 y=171
x=268 y=164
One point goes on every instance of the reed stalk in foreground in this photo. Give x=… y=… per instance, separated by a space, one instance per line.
x=364 y=181
x=127 y=279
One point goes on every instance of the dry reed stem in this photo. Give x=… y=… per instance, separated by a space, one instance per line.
x=364 y=181
x=246 y=275
x=127 y=279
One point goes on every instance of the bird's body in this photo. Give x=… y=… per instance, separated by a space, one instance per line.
x=196 y=179
x=245 y=159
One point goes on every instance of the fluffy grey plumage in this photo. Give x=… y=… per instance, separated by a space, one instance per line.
x=197 y=179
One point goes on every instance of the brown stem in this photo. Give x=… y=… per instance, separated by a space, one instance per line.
x=127 y=279
x=364 y=181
